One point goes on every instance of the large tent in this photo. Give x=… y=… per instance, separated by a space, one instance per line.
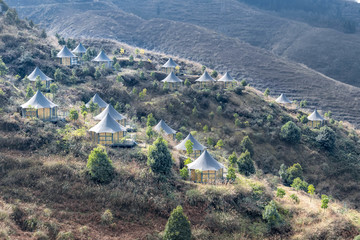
x=172 y=80
x=169 y=66
x=162 y=127
x=316 y=118
x=205 y=168
x=204 y=79
x=282 y=99
x=80 y=50
x=227 y=79
x=98 y=100
x=198 y=148
x=102 y=58
x=113 y=113
x=40 y=107
x=108 y=131
x=66 y=57
x=38 y=74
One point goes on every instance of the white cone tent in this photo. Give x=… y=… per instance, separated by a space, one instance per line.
x=169 y=66
x=39 y=106
x=197 y=147
x=80 y=50
x=38 y=73
x=97 y=99
x=113 y=113
x=282 y=99
x=102 y=58
x=163 y=127
x=108 y=131
x=66 y=57
x=204 y=79
x=172 y=80
x=226 y=79
x=316 y=118
x=209 y=167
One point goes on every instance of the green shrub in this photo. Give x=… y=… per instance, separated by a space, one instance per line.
x=231 y=174
x=299 y=184
x=324 y=201
x=246 y=164
x=280 y=192
x=159 y=157
x=247 y=144
x=295 y=171
x=194 y=197
x=243 y=83
x=267 y=92
x=178 y=226
x=233 y=159
x=295 y=198
x=272 y=215
x=150 y=120
x=189 y=147
x=30 y=224
x=65 y=236
x=107 y=217
x=73 y=114
x=304 y=119
x=357 y=237
x=290 y=132
x=326 y=138
x=184 y=173
x=179 y=136
x=100 y=166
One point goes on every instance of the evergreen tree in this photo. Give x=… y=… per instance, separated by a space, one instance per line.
x=246 y=164
x=326 y=138
x=73 y=115
x=150 y=120
x=231 y=174
x=29 y=91
x=290 y=132
x=159 y=157
x=233 y=159
x=100 y=166
x=324 y=201
x=247 y=144
x=271 y=214
x=189 y=147
x=178 y=226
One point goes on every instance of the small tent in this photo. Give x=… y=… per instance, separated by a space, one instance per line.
x=282 y=99
x=172 y=80
x=40 y=107
x=205 y=79
x=98 y=100
x=315 y=119
x=162 y=127
x=169 y=66
x=66 y=57
x=205 y=169
x=227 y=80
x=113 y=113
x=102 y=58
x=38 y=74
x=198 y=148
x=80 y=50
x=108 y=131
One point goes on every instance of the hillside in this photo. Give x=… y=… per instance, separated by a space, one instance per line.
x=45 y=188
x=250 y=43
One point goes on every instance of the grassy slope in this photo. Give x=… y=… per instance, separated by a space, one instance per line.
x=43 y=171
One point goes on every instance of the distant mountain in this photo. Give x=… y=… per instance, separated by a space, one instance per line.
x=271 y=51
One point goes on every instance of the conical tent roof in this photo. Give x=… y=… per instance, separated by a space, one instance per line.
x=101 y=57
x=37 y=72
x=205 y=78
x=170 y=64
x=315 y=116
x=205 y=163
x=113 y=113
x=197 y=146
x=107 y=125
x=226 y=78
x=65 y=53
x=79 y=49
x=172 y=78
x=39 y=101
x=283 y=99
x=162 y=126
x=97 y=99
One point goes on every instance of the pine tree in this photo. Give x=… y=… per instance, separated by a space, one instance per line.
x=246 y=164
x=159 y=157
x=178 y=226
x=247 y=144
x=100 y=166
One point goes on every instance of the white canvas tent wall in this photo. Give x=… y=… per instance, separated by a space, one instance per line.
x=37 y=73
x=108 y=131
x=316 y=118
x=66 y=57
x=40 y=107
x=227 y=79
x=205 y=168
x=204 y=79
